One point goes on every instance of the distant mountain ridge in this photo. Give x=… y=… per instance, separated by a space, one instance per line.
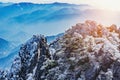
x=25 y=15
x=4 y=44
x=9 y=58
x=5 y=47
x=28 y=15
x=54 y=37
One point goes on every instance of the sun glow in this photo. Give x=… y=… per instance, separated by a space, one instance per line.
x=107 y=4
x=102 y=4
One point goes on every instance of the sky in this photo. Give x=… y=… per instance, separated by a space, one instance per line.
x=102 y=4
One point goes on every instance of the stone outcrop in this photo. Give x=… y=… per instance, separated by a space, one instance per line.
x=87 y=51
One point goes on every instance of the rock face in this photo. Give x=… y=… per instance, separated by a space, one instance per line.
x=31 y=56
x=116 y=70
x=87 y=51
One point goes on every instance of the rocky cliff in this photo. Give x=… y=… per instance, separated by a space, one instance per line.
x=87 y=51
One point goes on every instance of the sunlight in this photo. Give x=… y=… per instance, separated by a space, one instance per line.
x=107 y=4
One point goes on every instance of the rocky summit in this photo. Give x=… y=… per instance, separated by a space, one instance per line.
x=87 y=51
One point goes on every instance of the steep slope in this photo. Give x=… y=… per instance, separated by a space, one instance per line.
x=87 y=51
x=10 y=55
x=31 y=56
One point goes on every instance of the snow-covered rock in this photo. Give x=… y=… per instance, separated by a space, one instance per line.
x=89 y=48
x=87 y=51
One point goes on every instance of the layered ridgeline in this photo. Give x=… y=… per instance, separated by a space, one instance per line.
x=87 y=51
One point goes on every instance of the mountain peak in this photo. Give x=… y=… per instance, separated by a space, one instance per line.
x=87 y=51
x=59 y=3
x=90 y=49
x=63 y=4
x=91 y=28
x=32 y=54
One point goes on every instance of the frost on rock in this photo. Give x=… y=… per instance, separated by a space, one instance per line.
x=87 y=51
x=25 y=65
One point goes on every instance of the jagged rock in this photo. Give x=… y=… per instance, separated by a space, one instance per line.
x=107 y=60
x=116 y=70
x=87 y=51
x=108 y=75
x=3 y=75
x=92 y=73
x=31 y=56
